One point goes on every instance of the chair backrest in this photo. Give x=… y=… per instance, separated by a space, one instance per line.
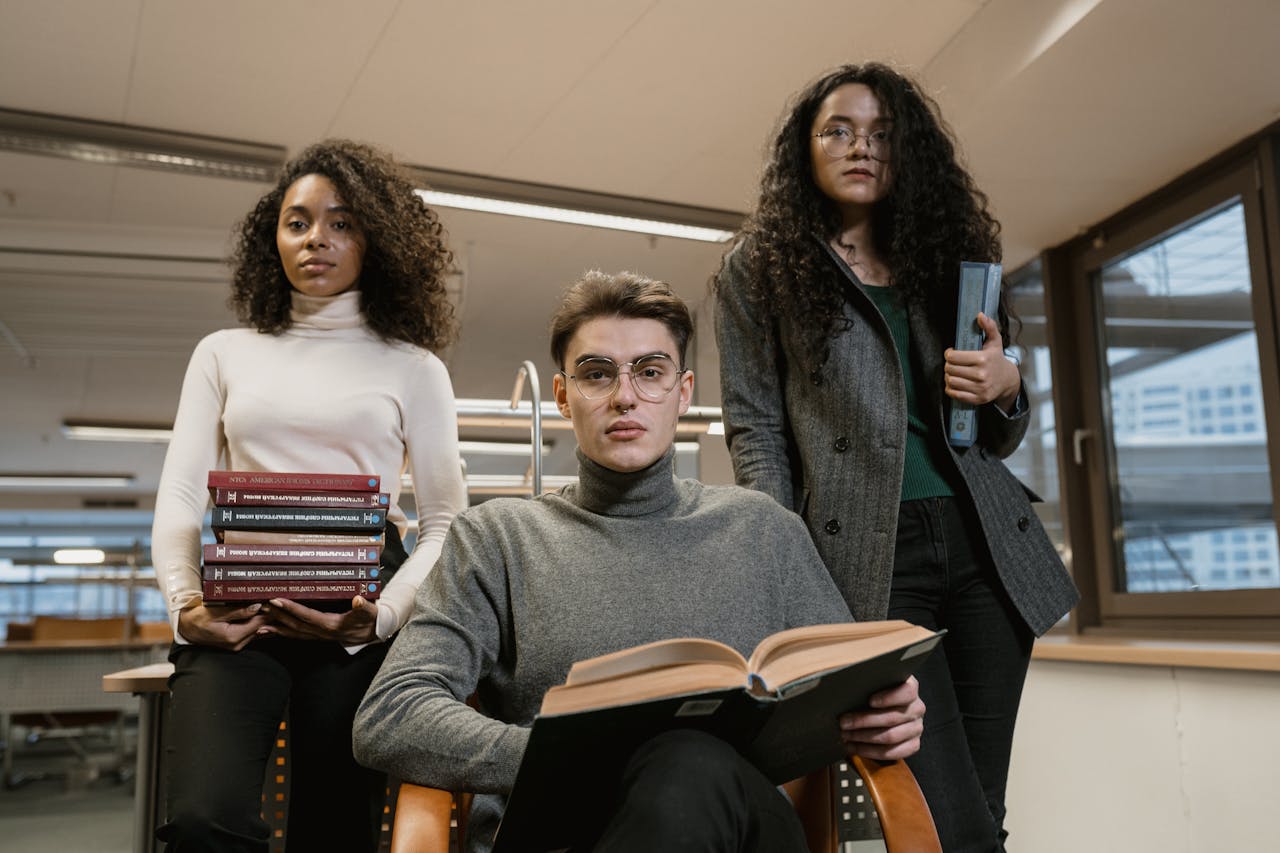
x=423 y=815
x=159 y=632
x=115 y=628
x=18 y=631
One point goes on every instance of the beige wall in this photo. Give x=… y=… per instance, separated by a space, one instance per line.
x=1145 y=760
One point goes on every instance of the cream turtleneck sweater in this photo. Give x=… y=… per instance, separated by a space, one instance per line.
x=326 y=395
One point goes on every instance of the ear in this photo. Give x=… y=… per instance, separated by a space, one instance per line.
x=686 y=390
x=561 y=391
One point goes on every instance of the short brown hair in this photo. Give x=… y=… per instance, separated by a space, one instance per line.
x=626 y=295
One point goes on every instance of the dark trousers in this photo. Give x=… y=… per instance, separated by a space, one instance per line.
x=972 y=683
x=225 y=711
x=689 y=791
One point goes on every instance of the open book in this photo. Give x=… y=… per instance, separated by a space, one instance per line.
x=779 y=709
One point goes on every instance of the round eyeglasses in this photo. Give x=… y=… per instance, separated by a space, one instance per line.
x=653 y=376
x=838 y=141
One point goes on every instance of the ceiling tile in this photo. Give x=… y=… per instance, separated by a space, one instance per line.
x=68 y=57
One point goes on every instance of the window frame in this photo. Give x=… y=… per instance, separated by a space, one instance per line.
x=1086 y=462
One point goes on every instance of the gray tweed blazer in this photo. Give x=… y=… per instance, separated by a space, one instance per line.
x=831 y=445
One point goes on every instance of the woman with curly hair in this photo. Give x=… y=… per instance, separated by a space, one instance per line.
x=833 y=315
x=340 y=271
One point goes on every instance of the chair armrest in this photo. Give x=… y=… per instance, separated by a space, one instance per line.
x=422 y=820
x=905 y=818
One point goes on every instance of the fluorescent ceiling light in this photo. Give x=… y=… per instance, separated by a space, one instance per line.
x=498 y=448
x=471 y=413
x=78 y=556
x=509 y=197
x=117 y=432
x=115 y=144
x=515 y=484
x=575 y=217
x=65 y=481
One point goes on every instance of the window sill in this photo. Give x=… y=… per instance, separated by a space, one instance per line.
x=1205 y=654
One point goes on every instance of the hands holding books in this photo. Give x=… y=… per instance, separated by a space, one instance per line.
x=227 y=626
x=891 y=728
x=291 y=619
x=982 y=375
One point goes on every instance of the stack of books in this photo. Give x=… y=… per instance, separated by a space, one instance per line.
x=305 y=537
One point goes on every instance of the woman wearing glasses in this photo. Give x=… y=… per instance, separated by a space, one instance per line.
x=834 y=314
x=339 y=271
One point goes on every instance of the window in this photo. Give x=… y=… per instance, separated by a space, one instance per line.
x=1035 y=460
x=81 y=591
x=1179 y=311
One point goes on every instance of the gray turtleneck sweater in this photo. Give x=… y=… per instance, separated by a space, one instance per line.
x=524 y=588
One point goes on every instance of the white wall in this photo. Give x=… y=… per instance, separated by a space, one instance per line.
x=1137 y=758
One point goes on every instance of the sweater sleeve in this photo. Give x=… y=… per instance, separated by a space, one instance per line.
x=414 y=721
x=751 y=388
x=182 y=497
x=430 y=420
x=1001 y=432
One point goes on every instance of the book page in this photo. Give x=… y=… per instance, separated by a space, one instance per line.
x=641 y=686
x=800 y=652
x=663 y=653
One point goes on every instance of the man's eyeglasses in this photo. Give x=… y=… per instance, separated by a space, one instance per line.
x=838 y=141
x=653 y=376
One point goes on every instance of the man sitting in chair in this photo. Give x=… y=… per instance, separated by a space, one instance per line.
x=628 y=555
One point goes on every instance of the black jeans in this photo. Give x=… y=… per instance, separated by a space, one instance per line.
x=972 y=683
x=686 y=790
x=223 y=721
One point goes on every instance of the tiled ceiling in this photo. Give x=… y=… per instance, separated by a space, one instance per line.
x=1067 y=110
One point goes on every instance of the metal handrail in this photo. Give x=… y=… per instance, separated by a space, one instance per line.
x=529 y=370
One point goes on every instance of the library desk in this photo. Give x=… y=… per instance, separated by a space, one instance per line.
x=150 y=684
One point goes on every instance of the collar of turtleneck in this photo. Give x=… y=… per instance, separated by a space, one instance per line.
x=607 y=492
x=325 y=313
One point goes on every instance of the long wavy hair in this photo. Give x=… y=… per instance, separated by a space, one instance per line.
x=933 y=217
x=406 y=261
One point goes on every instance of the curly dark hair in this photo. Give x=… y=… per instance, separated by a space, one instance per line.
x=402 y=279
x=933 y=217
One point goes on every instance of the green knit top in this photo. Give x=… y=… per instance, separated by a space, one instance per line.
x=922 y=469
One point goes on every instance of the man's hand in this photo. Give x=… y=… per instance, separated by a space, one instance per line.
x=291 y=619
x=227 y=626
x=892 y=727
x=980 y=376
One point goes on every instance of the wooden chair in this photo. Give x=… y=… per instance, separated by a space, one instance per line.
x=423 y=815
x=107 y=629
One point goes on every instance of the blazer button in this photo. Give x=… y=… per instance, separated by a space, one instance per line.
x=832 y=527
x=1024 y=523
x=842 y=444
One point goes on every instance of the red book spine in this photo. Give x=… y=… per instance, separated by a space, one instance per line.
x=294 y=482
x=286 y=572
x=284 y=497
x=220 y=553
x=296 y=537
x=215 y=591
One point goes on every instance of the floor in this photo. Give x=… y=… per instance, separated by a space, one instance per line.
x=50 y=809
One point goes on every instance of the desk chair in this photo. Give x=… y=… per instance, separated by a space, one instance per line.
x=422 y=816
x=108 y=629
